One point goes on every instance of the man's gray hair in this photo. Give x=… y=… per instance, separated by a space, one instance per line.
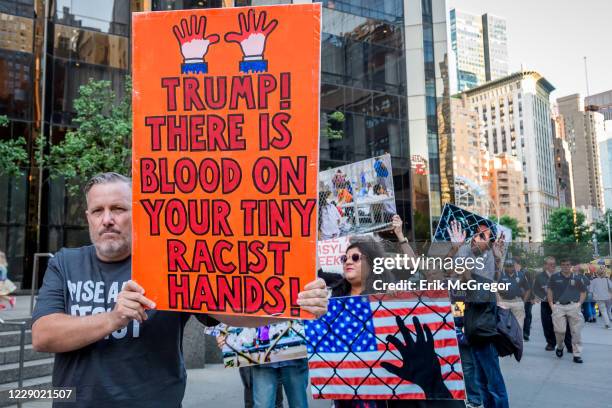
x=105 y=178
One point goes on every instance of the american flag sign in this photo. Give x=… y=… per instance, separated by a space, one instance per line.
x=348 y=348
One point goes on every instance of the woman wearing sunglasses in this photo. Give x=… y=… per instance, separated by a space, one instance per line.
x=358 y=260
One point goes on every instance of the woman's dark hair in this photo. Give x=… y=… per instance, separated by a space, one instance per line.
x=370 y=250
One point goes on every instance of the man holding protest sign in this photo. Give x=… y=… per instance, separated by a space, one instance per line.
x=111 y=344
x=222 y=216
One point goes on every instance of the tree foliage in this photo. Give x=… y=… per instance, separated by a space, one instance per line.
x=567 y=235
x=511 y=223
x=600 y=229
x=100 y=142
x=13 y=153
x=334 y=127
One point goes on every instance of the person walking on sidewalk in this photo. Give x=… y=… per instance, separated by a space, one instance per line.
x=588 y=306
x=601 y=289
x=530 y=274
x=566 y=293
x=516 y=295
x=540 y=291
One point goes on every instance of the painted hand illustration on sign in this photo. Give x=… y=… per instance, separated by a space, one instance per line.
x=420 y=362
x=252 y=40
x=194 y=45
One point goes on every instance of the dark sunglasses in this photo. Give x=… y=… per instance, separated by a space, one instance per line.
x=354 y=258
x=483 y=235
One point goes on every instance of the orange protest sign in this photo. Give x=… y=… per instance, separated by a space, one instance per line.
x=225 y=157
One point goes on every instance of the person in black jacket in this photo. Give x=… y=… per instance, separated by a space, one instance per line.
x=480 y=317
x=540 y=287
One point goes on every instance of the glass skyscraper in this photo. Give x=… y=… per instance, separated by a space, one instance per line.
x=384 y=89
x=480 y=48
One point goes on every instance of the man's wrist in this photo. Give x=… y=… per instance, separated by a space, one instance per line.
x=114 y=321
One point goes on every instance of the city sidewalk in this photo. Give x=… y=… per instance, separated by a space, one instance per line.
x=21 y=310
x=541 y=380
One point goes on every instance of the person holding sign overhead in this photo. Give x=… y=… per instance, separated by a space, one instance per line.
x=357 y=266
x=110 y=342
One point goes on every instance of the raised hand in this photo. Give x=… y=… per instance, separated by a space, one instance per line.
x=420 y=364
x=498 y=246
x=252 y=40
x=397 y=224
x=194 y=44
x=457 y=235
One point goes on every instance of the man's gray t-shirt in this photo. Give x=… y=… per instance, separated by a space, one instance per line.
x=138 y=366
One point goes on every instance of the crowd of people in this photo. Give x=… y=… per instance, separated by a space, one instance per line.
x=112 y=357
x=563 y=290
x=566 y=297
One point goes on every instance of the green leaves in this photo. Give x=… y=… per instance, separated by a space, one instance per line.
x=101 y=141
x=334 y=127
x=13 y=153
x=567 y=235
x=512 y=224
x=563 y=228
x=600 y=229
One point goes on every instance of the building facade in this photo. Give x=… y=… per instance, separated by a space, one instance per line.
x=602 y=103
x=471 y=159
x=563 y=161
x=563 y=170
x=605 y=158
x=495 y=44
x=384 y=72
x=468 y=49
x=480 y=48
x=514 y=117
x=506 y=187
x=583 y=129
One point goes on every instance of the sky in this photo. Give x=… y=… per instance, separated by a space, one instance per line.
x=553 y=37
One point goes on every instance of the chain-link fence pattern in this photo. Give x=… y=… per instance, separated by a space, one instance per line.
x=356 y=198
x=347 y=347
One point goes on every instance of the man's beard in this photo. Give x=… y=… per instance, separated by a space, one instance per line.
x=111 y=248
x=476 y=250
